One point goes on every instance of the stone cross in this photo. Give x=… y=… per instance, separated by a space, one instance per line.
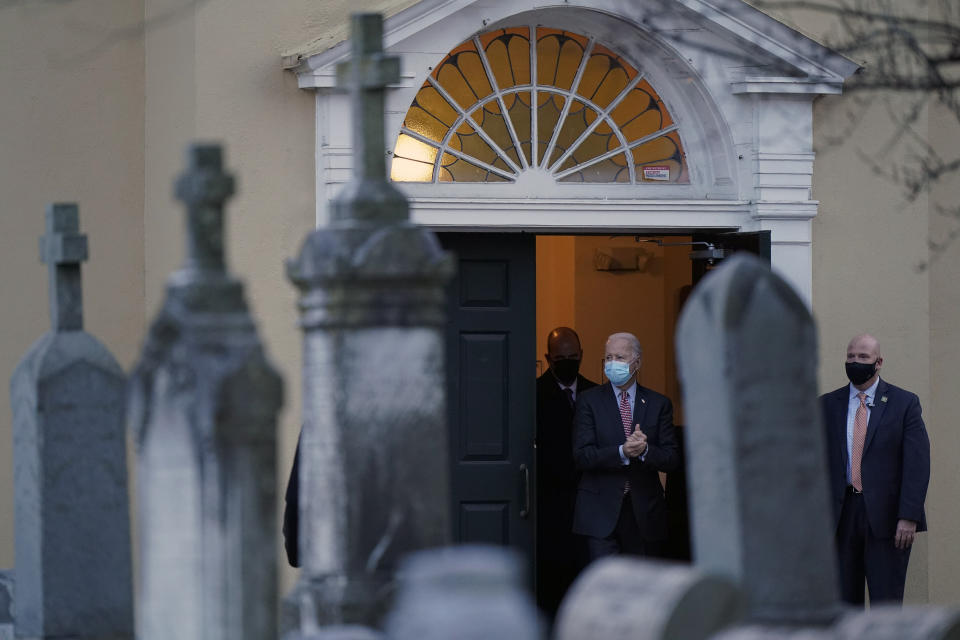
x=203 y=407
x=368 y=198
x=204 y=188
x=373 y=472
x=73 y=564
x=63 y=249
x=758 y=478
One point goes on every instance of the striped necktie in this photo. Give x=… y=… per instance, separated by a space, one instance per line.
x=859 y=436
x=626 y=416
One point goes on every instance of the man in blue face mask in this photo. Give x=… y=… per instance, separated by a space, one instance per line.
x=622 y=438
x=878 y=455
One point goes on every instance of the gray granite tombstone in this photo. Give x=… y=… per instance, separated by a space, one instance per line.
x=203 y=406
x=470 y=592
x=373 y=472
x=746 y=347
x=632 y=599
x=72 y=531
x=6 y=604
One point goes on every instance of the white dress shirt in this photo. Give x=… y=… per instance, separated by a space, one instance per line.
x=852 y=405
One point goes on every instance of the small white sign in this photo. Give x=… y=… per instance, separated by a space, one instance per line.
x=659 y=172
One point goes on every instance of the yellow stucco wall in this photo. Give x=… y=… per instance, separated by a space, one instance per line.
x=71 y=105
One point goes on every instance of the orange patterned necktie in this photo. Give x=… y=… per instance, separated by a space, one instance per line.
x=859 y=436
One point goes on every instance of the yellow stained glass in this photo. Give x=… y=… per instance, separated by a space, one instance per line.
x=490 y=119
x=559 y=54
x=663 y=155
x=548 y=113
x=508 y=52
x=454 y=169
x=577 y=121
x=412 y=160
x=467 y=140
x=610 y=170
x=641 y=113
x=430 y=115
x=518 y=106
x=600 y=141
x=592 y=89
x=462 y=76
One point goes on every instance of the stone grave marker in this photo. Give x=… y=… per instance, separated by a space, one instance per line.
x=72 y=524
x=746 y=347
x=204 y=401
x=623 y=598
x=374 y=463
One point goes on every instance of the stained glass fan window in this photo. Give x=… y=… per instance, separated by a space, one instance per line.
x=497 y=106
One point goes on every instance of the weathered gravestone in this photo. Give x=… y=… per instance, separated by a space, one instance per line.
x=373 y=468
x=632 y=599
x=756 y=466
x=73 y=566
x=469 y=592
x=757 y=479
x=6 y=604
x=204 y=401
x=746 y=347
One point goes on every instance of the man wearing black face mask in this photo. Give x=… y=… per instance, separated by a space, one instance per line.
x=878 y=456
x=560 y=554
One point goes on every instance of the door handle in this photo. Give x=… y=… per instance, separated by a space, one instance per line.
x=525 y=475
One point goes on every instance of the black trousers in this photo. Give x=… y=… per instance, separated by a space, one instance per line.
x=863 y=556
x=625 y=538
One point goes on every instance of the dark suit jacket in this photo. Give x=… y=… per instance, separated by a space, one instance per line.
x=597 y=436
x=896 y=457
x=555 y=467
x=291 y=512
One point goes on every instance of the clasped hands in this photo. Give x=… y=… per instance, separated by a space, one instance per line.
x=636 y=444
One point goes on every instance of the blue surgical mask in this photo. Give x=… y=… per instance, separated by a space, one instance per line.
x=617 y=372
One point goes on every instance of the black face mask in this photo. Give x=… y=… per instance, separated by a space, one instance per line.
x=565 y=370
x=860 y=372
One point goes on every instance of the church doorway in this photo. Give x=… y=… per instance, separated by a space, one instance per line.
x=510 y=291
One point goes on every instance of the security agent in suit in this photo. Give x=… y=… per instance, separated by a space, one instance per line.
x=878 y=508
x=560 y=553
x=620 y=503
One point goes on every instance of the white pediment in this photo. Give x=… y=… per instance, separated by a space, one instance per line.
x=760 y=54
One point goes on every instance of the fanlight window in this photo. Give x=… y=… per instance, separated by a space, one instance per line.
x=597 y=119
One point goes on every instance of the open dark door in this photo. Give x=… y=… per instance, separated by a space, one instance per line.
x=725 y=245
x=491 y=355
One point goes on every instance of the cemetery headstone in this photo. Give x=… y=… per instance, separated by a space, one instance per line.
x=756 y=468
x=203 y=408
x=622 y=598
x=374 y=463
x=466 y=592
x=72 y=522
x=6 y=604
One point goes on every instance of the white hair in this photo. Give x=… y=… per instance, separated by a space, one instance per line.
x=629 y=337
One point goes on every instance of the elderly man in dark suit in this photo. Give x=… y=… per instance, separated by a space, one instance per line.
x=560 y=553
x=623 y=437
x=878 y=455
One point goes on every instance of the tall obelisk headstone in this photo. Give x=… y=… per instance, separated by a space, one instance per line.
x=746 y=347
x=373 y=471
x=73 y=565
x=204 y=401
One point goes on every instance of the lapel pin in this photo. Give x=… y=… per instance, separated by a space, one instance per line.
x=883 y=398
x=644 y=400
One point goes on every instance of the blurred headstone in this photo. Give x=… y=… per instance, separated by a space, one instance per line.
x=467 y=593
x=374 y=476
x=204 y=404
